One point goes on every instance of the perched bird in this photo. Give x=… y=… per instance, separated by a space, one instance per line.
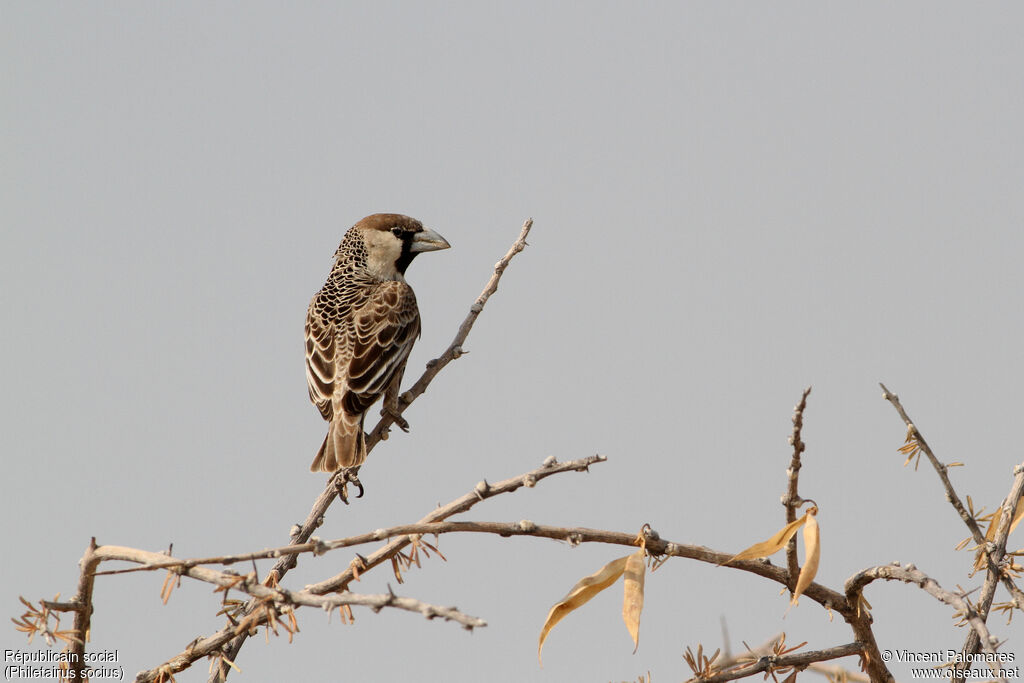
x=360 y=328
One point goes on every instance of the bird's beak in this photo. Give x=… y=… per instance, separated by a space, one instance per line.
x=428 y=240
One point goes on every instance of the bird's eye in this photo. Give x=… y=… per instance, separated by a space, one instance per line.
x=397 y=232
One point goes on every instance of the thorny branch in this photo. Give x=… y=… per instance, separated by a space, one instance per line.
x=910 y=574
x=251 y=585
x=454 y=350
x=217 y=642
x=951 y=496
x=994 y=551
x=318 y=547
x=834 y=673
x=772 y=662
x=792 y=499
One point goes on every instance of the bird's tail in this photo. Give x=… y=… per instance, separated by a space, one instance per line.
x=344 y=446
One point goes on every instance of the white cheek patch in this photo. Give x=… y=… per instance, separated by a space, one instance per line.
x=383 y=250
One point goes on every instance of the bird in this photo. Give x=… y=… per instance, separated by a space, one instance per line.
x=360 y=329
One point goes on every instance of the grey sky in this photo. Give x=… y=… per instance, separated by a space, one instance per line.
x=732 y=201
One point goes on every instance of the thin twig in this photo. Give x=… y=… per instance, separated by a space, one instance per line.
x=771 y=662
x=454 y=350
x=792 y=499
x=996 y=551
x=951 y=495
x=251 y=585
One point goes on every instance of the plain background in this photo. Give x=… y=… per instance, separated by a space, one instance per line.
x=732 y=201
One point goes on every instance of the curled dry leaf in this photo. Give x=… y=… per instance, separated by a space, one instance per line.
x=990 y=534
x=589 y=586
x=812 y=553
x=1018 y=514
x=633 y=599
x=584 y=590
x=773 y=544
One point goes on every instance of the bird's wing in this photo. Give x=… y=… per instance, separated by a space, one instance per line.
x=384 y=331
x=321 y=359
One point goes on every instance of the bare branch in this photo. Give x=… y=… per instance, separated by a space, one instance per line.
x=772 y=662
x=574 y=536
x=454 y=350
x=792 y=499
x=318 y=547
x=482 y=491
x=941 y=469
x=910 y=574
x=996 y=552
x=219 y=642
x=83 y=617
x=251 y=585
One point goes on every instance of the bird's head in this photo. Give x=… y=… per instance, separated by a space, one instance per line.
x=391 y=241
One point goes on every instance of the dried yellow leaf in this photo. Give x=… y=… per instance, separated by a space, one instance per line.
x=583 y=591
x=633 y=598
x=997 y=516
x=990 y=534
x=773 y=544
x=1018 y=514
x=812 y=554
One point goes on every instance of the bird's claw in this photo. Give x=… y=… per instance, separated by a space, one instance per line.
x=346 y=476
x=396 y=417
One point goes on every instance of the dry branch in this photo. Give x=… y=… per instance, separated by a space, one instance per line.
x=994 y=552
x=317 y=547
x=218 y=642
x=792 y=499
x=910 y=574
x=771 y=662
x=940 y=469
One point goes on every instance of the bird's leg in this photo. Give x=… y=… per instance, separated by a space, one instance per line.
x=393 y=404
x=344 y=477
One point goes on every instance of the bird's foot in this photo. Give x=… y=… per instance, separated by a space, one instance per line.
x=344 y=477
x=396 y=416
